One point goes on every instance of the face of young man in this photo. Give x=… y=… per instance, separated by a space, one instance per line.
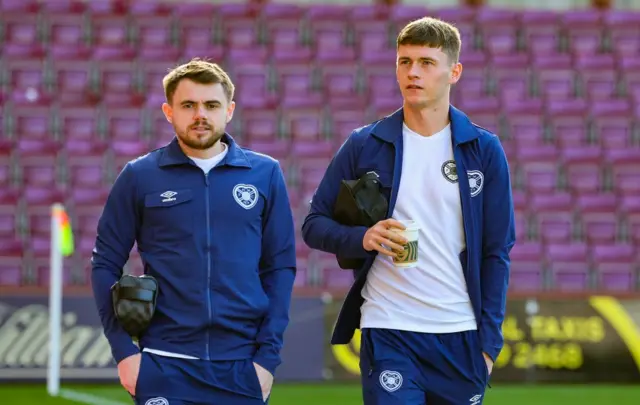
x=425 y=75
x=199 y=114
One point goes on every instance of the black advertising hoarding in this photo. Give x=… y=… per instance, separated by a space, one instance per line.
x=86 y=355
x=588 y=340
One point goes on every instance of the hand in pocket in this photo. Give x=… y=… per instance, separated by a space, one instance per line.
x=266 y=380
x=489 y=362
x=128 y=370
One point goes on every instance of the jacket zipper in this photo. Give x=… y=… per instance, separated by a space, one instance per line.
x=208 y=286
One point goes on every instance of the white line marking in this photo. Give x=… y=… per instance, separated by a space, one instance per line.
x=87 y=398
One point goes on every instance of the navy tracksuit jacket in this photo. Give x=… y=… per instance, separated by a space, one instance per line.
x=487 y=211
x=221 y=246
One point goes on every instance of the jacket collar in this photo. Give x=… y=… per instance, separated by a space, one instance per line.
x=173 y=154
x=390 y=127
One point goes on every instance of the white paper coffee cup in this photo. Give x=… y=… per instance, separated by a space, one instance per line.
x=409 y=256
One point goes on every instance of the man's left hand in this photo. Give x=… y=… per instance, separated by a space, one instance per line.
x=266 y=380
x=489 y=362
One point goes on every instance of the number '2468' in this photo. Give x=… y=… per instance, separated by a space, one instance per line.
x=541 y=355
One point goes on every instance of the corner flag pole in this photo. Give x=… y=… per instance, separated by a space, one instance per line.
x=55 y=301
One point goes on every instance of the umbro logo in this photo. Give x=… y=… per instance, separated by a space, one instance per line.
x=475 y=400
x=168 y=196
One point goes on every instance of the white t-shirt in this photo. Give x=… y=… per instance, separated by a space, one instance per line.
x=432 y=297
x=207 y=164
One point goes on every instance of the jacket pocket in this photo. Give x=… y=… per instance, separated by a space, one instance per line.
x=367 y=353
x=169 y=215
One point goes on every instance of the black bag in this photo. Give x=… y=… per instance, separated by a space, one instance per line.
x=134 y=302
x=359 y=203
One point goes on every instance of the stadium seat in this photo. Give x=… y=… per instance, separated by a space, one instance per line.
x=511 y=77
x=153 y=35
x=124 y=124
x=66 y=34
x=329 y=26
x=475 y=79
x=553 y=216
x=42 y=272
x=78 y=124
x=526 y=128
x=9 y=222
x=39 y=230
x=556 y=77
x=498 y=30
x=196 y=34
x=239 y=25
x=39 y=171
x=343 y=122
x=613 y=125
x=27 y=82
x=582 y=178
x=73 y=83
x=615 y=267
x=21 y=37
x=598 y=77
x=259 y=124
x=540 y=177
x=625 y=165
x=569 y=266
x=568 y=122
x=118 y=84
x=283 y=26
x=527 y=270
x=294 y=83
x=339 y=83
x=111 y=37
x=11 y=270
x=372 y=40
x=541 y=31
x=584 y=30
x=624 y=31
x=253 y=87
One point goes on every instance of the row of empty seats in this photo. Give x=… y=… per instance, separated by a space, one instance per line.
x=261 y=84
x=111 y=30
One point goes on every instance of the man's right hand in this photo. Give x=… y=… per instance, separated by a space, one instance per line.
x=128 y=370
x=381 y=234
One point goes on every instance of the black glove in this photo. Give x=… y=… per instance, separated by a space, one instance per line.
x=134 y=302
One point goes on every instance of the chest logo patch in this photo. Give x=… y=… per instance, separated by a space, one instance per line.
x=450 y=171
x=245 y=195
x=476 y=181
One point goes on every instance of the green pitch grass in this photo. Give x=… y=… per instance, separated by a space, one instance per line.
x=323 y=394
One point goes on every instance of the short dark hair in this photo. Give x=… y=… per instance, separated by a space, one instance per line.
x=200 y=71
x=433 y=33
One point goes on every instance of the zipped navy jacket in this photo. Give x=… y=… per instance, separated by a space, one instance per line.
x=487 y=211
x=221 y=246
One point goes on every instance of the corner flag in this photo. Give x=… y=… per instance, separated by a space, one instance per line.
x=66 y=234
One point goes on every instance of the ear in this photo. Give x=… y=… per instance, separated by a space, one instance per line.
x=456 y=73
x=230 y=110
x=168 y=112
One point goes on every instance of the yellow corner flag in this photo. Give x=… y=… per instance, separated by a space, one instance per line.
x=66 y=234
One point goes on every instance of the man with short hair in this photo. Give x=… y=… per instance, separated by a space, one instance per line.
x=431 y=332
x=214 y=227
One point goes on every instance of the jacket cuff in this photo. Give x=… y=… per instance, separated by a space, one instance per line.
x=491 y=351
x=354 y=248
x=268 y=362
x=122 y=350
